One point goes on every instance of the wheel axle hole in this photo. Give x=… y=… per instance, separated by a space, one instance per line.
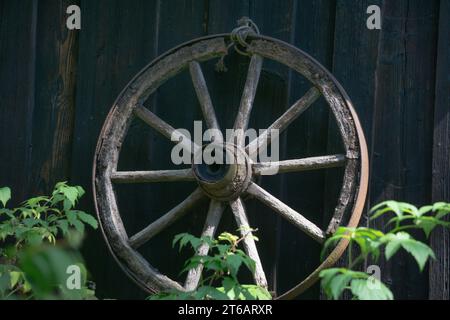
x=214 y=168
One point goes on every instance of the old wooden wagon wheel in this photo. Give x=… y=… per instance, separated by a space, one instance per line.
x=235 y=181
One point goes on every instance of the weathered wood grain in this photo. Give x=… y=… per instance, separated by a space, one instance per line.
x=297 y=165
x=404 y=99
x=117 y=39
x=248 y=97
x=439 y=274
x=204 y=98
x=55 y=90
x=248 y=241
x=18 y=21
x=311 y=25
x=215 y=212
x=354 y=62
x=152 y=176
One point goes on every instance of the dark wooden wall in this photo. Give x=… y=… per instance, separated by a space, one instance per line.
x=56 y=88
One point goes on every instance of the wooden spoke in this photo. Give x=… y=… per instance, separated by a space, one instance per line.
x=152 y=176
x=203 y=95
x=249 y=243
x=215 y=211
x=284 y=121
x=248 y=96
x=164 y=128
x=288 y=213
x=166 y=220
x=306 y=164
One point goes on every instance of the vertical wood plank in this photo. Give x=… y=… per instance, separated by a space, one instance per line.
x=355 y=57
x=223 y=16
x=354 y=63
x=440 y=241
x=54 y=112
x=403 y=118
x=275 y=19
x=312 y=30
x=17 y=57
x=175 y=102
x=117 y=40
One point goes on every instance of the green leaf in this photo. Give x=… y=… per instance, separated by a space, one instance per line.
x=29 y=222
x=257 y=292
x=14 y=277
x=79 y=226
x=391 y=249
x=442 y=209
x=409 y=208
x=33 y=238
x=234 y=262
x=26 y=286
x=5 y=195
x=228 y=237
x=177 y=238
x=71 y=194
x=370 y=289
x=63 y=225
x=71 y=217
x=427 y=224
x=327 y=275
x=193 y=263
x=424 y=210
x=228 y=283
x=439 y=205
x=8 y=212
x=399 y=219
x=338 y=284
x=87 y=218
x=222 y=248
x=208 y=292
x=57 y=198
x=214 y=264
x=230 y=288
x=389 y=206
x=331 y=242
x=185 y=240
x=33 y=202
x=249 y=262
x=81 y=191
x=208 y=240
x=334 y=282
x=442 y=213
x=420 y=251
x=67 y=204
x=5 y=282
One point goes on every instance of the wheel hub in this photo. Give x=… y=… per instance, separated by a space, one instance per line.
x=223 y=171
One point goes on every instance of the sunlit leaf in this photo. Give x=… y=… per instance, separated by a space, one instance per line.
x=366 y=289
x=5 y=195
x=225 y=236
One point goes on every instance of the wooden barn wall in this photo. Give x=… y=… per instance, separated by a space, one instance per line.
x=57 y=86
